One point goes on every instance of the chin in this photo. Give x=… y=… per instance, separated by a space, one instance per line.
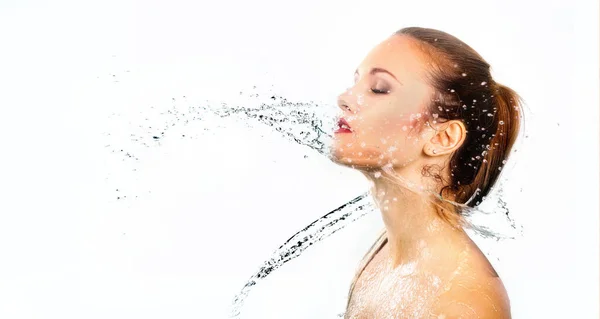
x=350 y=159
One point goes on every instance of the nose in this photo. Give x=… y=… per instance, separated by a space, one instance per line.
x=343 y=101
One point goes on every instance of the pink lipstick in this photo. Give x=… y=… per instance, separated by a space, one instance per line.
x=343 y=127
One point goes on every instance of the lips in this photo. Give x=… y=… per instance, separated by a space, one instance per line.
x=343 y=126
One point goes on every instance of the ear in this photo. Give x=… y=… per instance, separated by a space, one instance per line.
x=448 y=137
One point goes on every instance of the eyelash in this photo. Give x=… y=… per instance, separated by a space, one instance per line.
x=380 y=91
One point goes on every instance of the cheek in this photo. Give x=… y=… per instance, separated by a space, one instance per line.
x=391 y=128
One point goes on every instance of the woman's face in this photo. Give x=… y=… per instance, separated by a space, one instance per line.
x=384 y=109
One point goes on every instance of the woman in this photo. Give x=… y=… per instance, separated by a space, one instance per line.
x=425 y=117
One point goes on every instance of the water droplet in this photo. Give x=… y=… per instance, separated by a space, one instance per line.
x=464 y=74
x=377 y=174
x=363 y=144
x=404 y=128
x=435 y=115
x=504 y=162
x=452 y=90
x=501 y=122
x=483 y=83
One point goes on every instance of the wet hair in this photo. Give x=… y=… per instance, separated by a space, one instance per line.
x=464 y=90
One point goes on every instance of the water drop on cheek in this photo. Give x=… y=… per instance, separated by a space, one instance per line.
x=360 y=100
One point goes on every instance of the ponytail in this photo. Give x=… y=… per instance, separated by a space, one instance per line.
x=508 y=105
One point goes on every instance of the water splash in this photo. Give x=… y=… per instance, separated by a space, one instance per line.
x=305 y=123
x=311 y=234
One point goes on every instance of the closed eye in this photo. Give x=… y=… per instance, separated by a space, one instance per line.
x=377 y=91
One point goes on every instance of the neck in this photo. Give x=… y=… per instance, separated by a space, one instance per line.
x=411 y=218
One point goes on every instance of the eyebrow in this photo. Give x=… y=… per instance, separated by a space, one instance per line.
x=380 y=70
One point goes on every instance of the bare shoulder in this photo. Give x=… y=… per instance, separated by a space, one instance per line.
x=474 y=297
x=476 y=292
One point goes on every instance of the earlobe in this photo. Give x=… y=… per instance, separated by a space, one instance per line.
x=431 y=149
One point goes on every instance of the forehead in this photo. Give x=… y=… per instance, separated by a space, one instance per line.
x=397 y=54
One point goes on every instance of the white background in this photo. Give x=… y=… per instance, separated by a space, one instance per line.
x=210 y=209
